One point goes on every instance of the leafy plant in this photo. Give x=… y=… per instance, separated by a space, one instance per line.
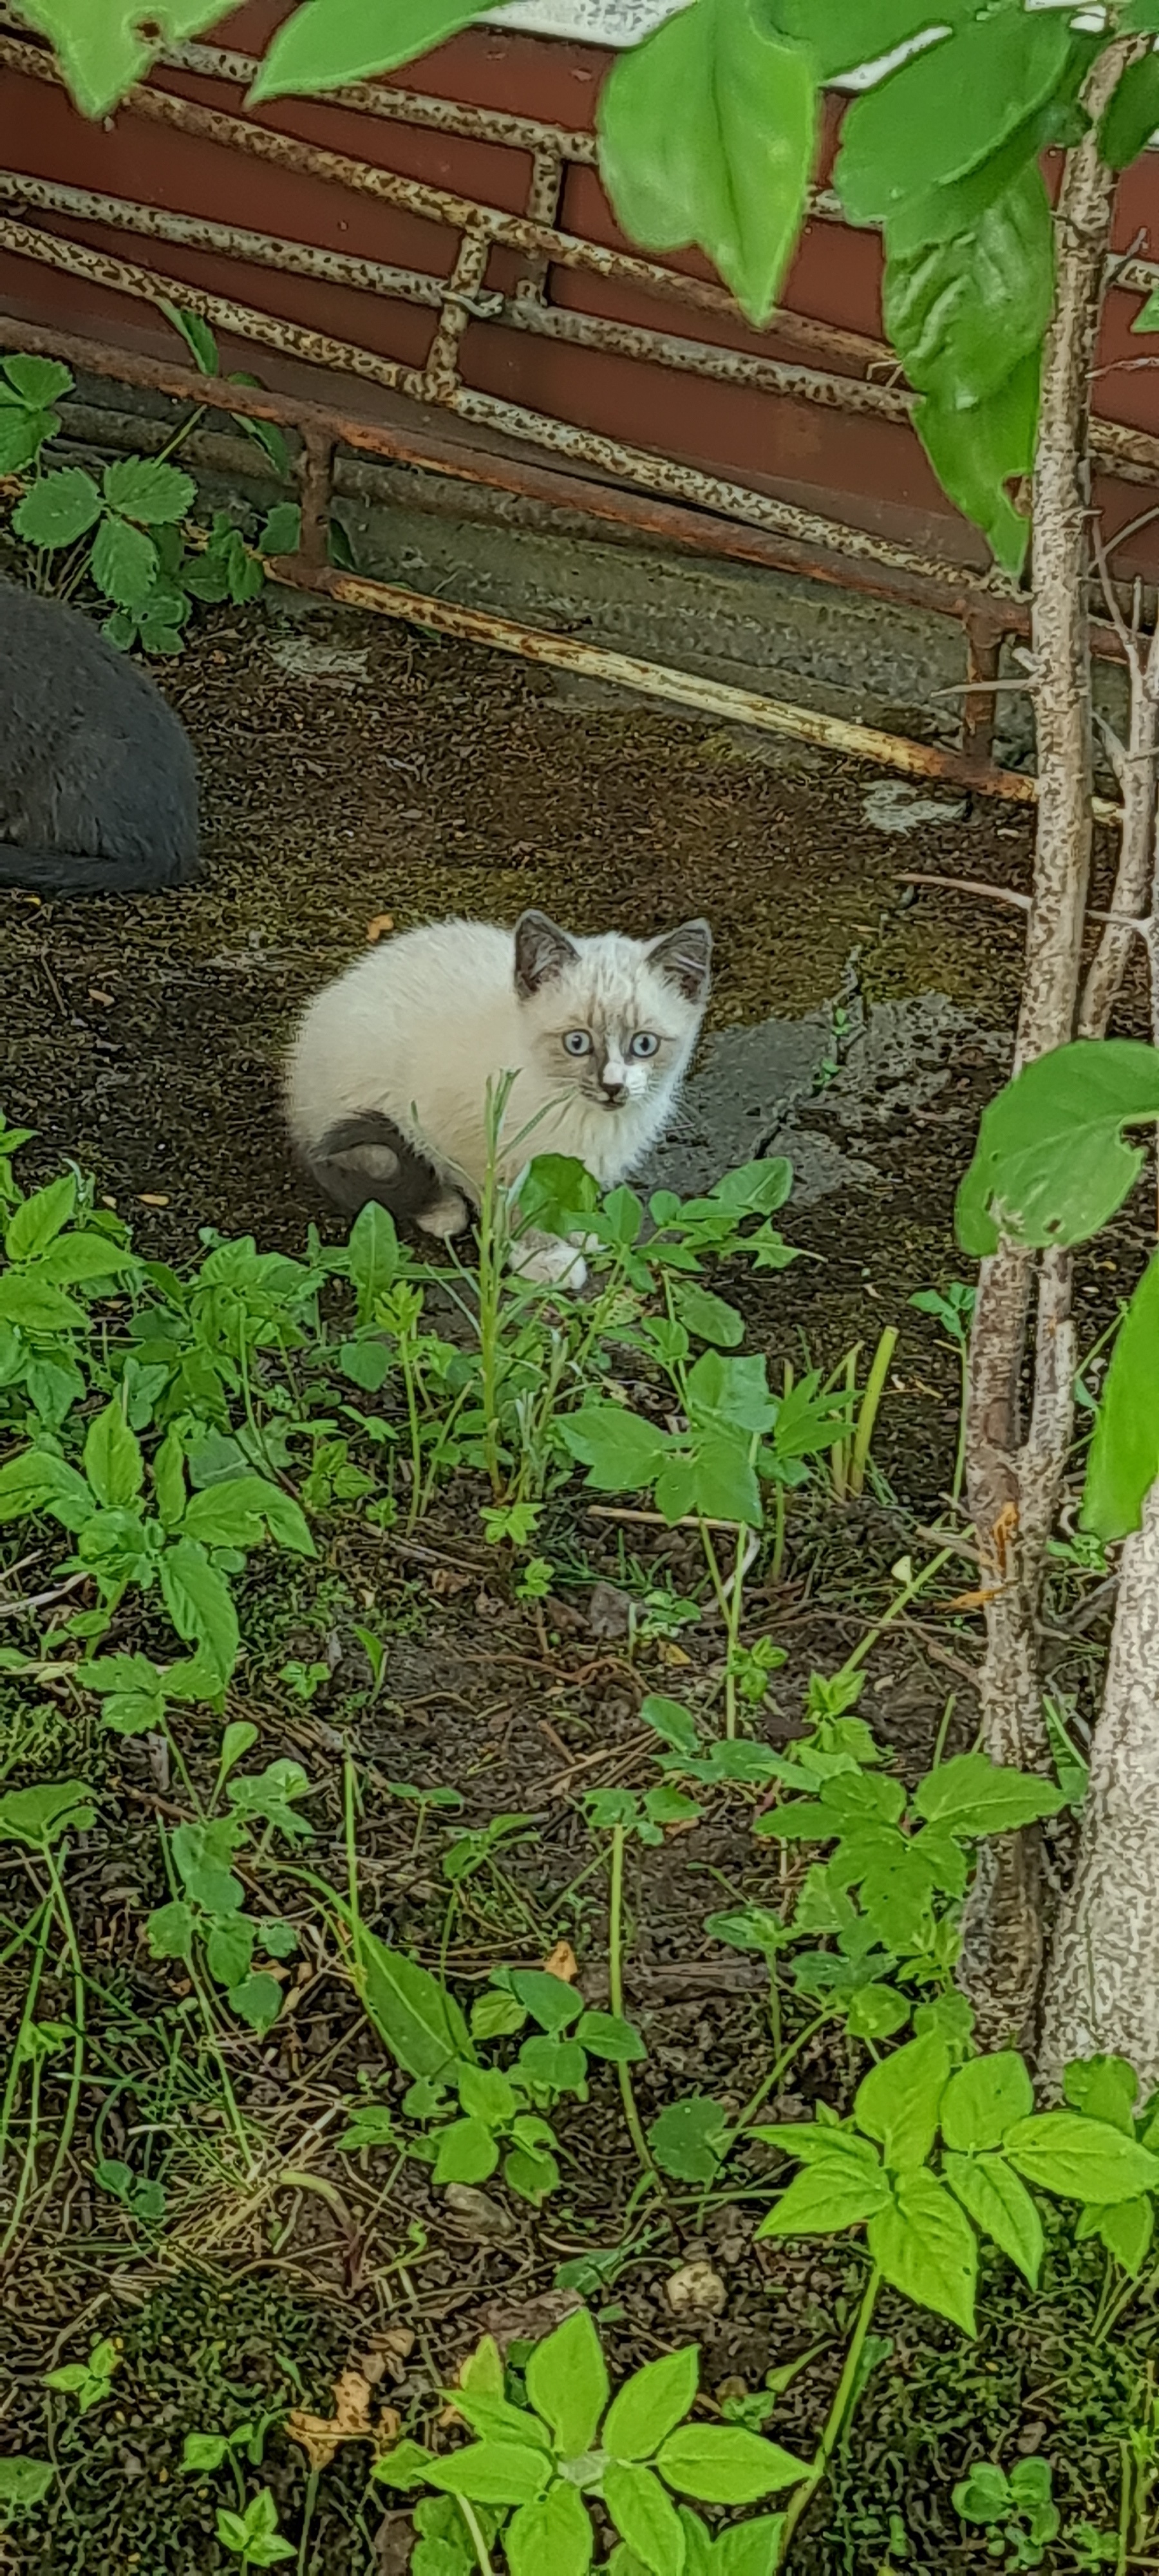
x=91 y=2381
x=1019 y=2510
x=252 y=2537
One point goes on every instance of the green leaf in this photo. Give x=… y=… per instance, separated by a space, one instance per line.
x=1051 y=1164
x=999 y=2205
x=567 y=2383
x=1126 y=2231
x=1123 y=1460
x=468 y=2152
x=970 y=1794
x=237 y=1512
x=749 y=2548
x=897 y=2102
x=842 y=2185
x=229 y=1949
x=486 y=2094
x=203 y=1852
x=170 y=1929
x=984 y=2099
x=977 y=453
x=39 y=1219
x=38 y=1482
x=1132 y=115
x=99 y=43
x=148 y=489
x=708 y=1317
x=646 y=2518
x=123 y=562
x=876 y=2012
x=1080 y=2159
x=1104 y=2088
x=257 y=2001
x=687 y=2140
x=198 y=337
x=985 y=2495
x=962 y=313
x=551 y=2538
x=31 y=1301
x=650 y=2405
x=621 y=1452
x=200 y=1604
x=59 y=508
x=707 y=132
x=549 y=2000
x=948 y=109
x=37 y=381
x=925 y=2247
x=415 y=2017
x=724 y=2464
x=606 y=2035
x=74 y=1257
x=492 y=2473
x=373 y=1252
x=281 y=529
x=25 y=2481
x=112 y=1458
x=531 y=2172
x=327 y=42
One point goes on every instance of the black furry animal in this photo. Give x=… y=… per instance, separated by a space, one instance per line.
x=98 y=787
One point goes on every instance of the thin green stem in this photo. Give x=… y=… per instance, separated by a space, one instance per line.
x=28 y=2167
x=68 y=1932
x=963 y=1402
x=616 y=1996
x=844 y=2395
x=905 y=1596
x=868 y=1410
x=478 y=2543
x=17 y=2060
x=780 y=1523
x=352 y=1868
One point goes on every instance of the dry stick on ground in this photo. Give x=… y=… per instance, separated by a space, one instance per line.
x=1012 y=1486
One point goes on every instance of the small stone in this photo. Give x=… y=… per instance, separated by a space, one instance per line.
x=479 y=2217
x=696 y=2290
x=1031 y=2439
x=609 y=1612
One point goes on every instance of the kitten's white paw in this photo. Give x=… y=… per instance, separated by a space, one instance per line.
x=548 y=1261
x=447 y=1215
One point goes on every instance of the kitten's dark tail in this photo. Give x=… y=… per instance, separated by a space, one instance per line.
x=368 y=1157
x=75 y=872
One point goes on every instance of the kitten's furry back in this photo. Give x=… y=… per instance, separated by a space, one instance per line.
x=409 y=1036
x=98 y=788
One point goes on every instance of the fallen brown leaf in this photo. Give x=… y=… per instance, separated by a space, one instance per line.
x=563 y=1963
x=321 y=2435
x=377 y=929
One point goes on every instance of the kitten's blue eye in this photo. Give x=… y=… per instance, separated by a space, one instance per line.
x=644 y=1043
x=577 y=1042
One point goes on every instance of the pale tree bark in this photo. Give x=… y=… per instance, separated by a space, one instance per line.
x=1014 y=1485
x=1103 y=1991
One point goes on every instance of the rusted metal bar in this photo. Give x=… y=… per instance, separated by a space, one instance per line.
x=658 y=680
x=983 y=655
x=315 y=479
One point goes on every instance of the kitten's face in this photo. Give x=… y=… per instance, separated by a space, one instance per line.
x=614 y=1019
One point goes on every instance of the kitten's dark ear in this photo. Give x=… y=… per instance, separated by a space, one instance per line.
x=541 y=952
x=685 y=957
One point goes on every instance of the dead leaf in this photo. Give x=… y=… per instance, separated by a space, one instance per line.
x=377 y=929
x=388 y=2427
x=320 y=2436
x=670 y=1653
x=95 y=995
x=529 y=2321
x=971 y=1600
x=153 y=1198
x=447 y=1578
x=563 y=1963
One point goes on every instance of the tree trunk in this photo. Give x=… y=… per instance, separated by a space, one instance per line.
x=1103 y=1991
x=1014 y=1488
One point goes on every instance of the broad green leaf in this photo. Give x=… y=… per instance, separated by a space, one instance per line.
x=1132 y=116
x=112 y=1458
x=203 y=1853
x=984 y=2099
x=843 y=35
x=485 y=2094
x=1105 y=2088
x=123 y=562
x=876 y=2012
x=32 y=1302
x=100 y=45
x=531 y=2172
x=39 y=1816
x=925 y=2247
x=1051 y=1164
x=976 y=454
x=237 y=1512
x=327 y=42
x=229 y=1949
x=708 y=1317
x=606 y=2035
x=1080 y=2159
x=897 y=2103
x=198 y=337
x=25 y=2481
x=962 y=313
x=492 y=2473
x=837 y=2189
x=551 y=2538
x=1127 y=2230
x=407 y=2465
x=999 y=2205
x=620 y=1451
x=707 y=133
x=468 y=2152
x=970 y=1794
x=38 y=1482
x=148 y=489
x=74 y=1257
x=567 y=2383
x=38 y=381
x=1123 y=1460
x=646 y=2518
x=170 y=1929
x=414 y=2016
x=724 y=1481
x=651 y=2404
x=39 y=1219
x=60 y=507
x=688 y=2138
x=732 y=1390
x=724 y=2464
x=373 y=1252
x=748 y=2549
x=549 y=2000
x=947 y=109
x=281 y=529
x=200 y=1604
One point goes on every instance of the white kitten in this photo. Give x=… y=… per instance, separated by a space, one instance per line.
x=387 y=1082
